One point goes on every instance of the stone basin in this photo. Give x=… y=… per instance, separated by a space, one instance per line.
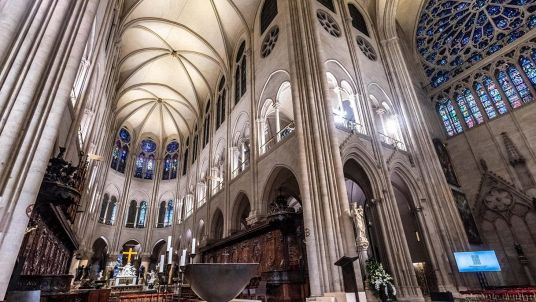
x=219 y=282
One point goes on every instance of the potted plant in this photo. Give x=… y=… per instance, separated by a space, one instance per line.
x=380 y=281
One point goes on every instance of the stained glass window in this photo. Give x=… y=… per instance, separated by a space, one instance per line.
x=469 y=108
x=145 y=161
x=485 y=100
x=169 y=213
x=508 y=89
x=140 y=164
x=220 y=105
x=150 y=167
x=449 y=118
x=240 y=73
x=519 y=84
x=495 y=95
x=120 y=151
x=116 y=154
x=171 y=161
x=206 y=126
x=104 y=206
x=454 y=34
x=142 y=213
x=528 y=68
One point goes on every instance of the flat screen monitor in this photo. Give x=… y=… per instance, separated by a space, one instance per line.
x=477 y=261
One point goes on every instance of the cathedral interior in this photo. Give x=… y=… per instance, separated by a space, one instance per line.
x=353 y=150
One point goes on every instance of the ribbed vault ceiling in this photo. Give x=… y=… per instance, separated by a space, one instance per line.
x=172 y=54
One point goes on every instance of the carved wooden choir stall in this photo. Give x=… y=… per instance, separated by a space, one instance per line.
x=49 y=243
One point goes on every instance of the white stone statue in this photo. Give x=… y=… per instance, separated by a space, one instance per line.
x=357 y=215
x=127 y=271
x=151 y=278
x=100 y=276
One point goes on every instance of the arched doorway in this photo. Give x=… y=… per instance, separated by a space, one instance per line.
x=359 y=191
x=99 y=258
x=282 y=197
x=158 y=250
x=217 y=225
x=240 y=214
x=414 y=236
x=131 y=246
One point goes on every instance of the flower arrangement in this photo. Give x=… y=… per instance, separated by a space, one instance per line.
x=380 y=280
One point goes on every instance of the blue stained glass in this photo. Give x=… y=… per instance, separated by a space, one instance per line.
x=510 y=12
x=519 y=84
x=140 y=163
x=115 y=154
x=495 y=95
x=449 y=28
x=494 y=10
x=172 y=147
x=473 y=106
x=532 y=22
x=508 y=89
x=528 y=68
x=149 y=167
x=124 y=135
x=494 y=48
x=449 y=117
x=485 y=100
x=142 y=214
x=469 y=109
x=148 y=146
x=169 y=214
x=464 y=109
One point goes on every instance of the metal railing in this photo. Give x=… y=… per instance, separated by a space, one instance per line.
x=278 y=137
x=392 y=141
x=347 y=125
x=240 y=168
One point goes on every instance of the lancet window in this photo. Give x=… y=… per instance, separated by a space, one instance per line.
x=240 y=72
x=171 y=161
x=104 y=207
x=165 y=214
x=358 y=21
x=195 y=144
x=497 y=88
x=220 y=105
x=448 y=117
x=145 y=162
x=136 y=214
x=185 y=158
x=328 y=4
x=108 y=210
x=268 y=13
x=206 y=125
x=120 y=151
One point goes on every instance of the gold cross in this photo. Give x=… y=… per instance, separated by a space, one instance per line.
x=129 y=254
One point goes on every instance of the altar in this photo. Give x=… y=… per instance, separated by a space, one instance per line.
x=128 y=274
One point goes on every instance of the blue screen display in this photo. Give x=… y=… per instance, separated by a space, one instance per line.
x=478 y=261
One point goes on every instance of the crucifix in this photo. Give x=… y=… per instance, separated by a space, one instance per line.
x=129 y=254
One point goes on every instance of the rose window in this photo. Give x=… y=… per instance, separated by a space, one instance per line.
x=328 y=23
x=454 y=34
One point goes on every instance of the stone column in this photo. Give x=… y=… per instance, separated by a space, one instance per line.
x=443 y=222
x=277 y=121
x=328 y=232
x=35 y=83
